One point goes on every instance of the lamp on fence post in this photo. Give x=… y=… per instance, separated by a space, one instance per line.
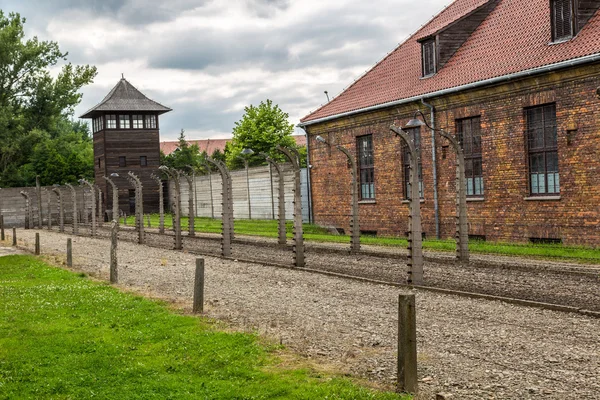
x=462 y=233
x=247 y=153
x=354 y=222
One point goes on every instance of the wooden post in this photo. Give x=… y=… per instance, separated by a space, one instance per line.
x=14 y=236
x=2 y=228
x=199 y=287
x=407 y=344
x=114 y=230
x=69 y=253
x=37 y=243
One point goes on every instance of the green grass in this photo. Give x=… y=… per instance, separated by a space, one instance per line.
x=268 y=228
x=63 y=336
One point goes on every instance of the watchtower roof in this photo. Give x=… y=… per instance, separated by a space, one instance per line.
x=125 y=97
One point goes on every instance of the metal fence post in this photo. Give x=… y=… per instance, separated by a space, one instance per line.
x=199 y=287
x=407 y=344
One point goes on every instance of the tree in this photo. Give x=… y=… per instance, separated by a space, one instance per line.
x=184 y=156
x=34 y=106
x=260 y=129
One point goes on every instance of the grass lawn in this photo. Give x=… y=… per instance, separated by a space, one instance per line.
x=63 y=336
x=268 y=228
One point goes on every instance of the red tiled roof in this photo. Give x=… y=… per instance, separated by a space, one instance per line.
x=210 y=145
x=514 y=37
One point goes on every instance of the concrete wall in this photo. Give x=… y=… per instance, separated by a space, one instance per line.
x=261 y=201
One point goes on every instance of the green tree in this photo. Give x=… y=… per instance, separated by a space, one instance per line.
x=260 y=129
x=184 y=156
x=34 y=106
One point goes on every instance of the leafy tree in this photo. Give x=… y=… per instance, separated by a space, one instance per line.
x=34 y=106
x=260 y=129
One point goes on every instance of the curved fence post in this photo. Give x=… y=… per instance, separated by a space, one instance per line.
x=115 y=201
x=38 y=192
x=354 y=222
x=227 y=210
x=281 y=234
x=49 y=205
x=191 y=214
x=93 y=197
x=74 y=199
x=210 y=187
x=294 y=157
x=28 y=211
x=139 y=205
x=100 y=206
x=161 y=204
x=415 y=235
x=174 y=175
x=61 y=211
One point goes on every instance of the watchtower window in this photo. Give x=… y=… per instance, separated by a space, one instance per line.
x=429 y=57
x=111 y=121
x=138 y=122
x=563 y=19
x=124 y=122
x=150 y=121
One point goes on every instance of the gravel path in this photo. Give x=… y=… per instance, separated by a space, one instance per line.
x=473 y=349
x=522 y=279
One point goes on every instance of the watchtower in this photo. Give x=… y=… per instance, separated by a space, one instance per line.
x=125 y=127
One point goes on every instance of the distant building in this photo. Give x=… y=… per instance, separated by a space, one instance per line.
x=518 y=82
x=210 y=145
x=126 y=127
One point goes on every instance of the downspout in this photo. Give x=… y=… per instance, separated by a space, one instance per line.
x=308 y=179
x=436 y=210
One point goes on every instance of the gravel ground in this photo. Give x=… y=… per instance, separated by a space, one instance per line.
x=526 y=279
x=470 y=348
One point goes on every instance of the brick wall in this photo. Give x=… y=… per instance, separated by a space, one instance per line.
x=507 y=212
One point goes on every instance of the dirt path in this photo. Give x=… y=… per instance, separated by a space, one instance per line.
x=473 y=349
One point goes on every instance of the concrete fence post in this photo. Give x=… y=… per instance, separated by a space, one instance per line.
x=38 y=192
x=93 y=198
x=415 y=235
x=407 y=344
x=114 y=237
x=354 y=222
x=139 y=206
x=100 y=206
x=69 y=252
x=210 y=188
x=227 y=209
x=61 y=212
x=174 y=175
x=14 y=242
x=115 y=200
x=2 y=237
x=49 y=205
x=161 y=205
x=294 y=157
x=37 y=243
x=191 y=214
x=199 y=287
x=28 y=211
x=74 y=199
x=281 y=234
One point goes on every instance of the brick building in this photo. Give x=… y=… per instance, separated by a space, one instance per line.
x=126 y=133
x=518 y=82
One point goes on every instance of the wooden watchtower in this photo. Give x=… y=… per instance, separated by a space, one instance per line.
x=125 y=126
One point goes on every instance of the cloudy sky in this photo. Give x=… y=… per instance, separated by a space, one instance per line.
x=208 y=59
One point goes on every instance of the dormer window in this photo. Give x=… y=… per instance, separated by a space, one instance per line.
x=429 y=57
x=563 y=20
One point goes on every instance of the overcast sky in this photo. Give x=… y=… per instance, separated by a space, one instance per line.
x=208 y=59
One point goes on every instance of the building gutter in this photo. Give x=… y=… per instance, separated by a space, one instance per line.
x=436 y=208
x=535 y=71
